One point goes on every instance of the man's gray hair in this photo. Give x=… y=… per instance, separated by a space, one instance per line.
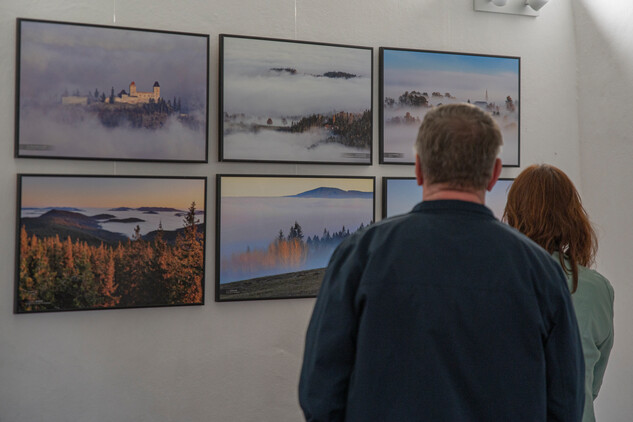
x=457 y=145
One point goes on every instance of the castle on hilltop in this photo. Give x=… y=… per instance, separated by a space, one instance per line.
x=133 y=97
x=138 y=97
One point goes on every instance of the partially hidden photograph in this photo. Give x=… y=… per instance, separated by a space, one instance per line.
x=414 y=81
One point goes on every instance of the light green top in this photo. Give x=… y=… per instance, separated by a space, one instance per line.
x=593 y=302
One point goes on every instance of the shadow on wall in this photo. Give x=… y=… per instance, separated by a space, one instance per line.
x=604 y=44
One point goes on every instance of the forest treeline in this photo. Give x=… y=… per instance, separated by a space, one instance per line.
x=349 y=129
x=285 y=252
x=152 y=115
x=62 y=274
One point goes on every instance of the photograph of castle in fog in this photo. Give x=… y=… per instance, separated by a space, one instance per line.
x=99 y=92
x=415 y=81
x=290 y=101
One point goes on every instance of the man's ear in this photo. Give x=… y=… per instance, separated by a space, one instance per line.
x=418 y=170
x=496 y=172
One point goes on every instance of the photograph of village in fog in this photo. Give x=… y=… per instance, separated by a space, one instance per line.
x=414 y=82
x=111 y=93
x=98 y=242
x=276 y=234
x=401 y=194
x=295 y=101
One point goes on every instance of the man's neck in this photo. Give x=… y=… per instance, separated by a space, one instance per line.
x=437 y=192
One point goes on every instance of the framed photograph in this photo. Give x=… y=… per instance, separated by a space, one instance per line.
x=401 y=194
x=275 y=234
x=414 y=81
x=103 y=242
x=110 y=93
x=295 y=101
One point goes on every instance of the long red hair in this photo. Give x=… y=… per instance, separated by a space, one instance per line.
x=544 y=205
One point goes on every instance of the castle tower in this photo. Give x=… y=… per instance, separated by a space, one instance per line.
x=132 y=89
x=156 y=91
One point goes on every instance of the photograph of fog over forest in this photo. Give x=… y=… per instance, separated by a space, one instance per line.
x=401 y=194
x=414 y=82
x=295 y=101
x=276 y=234
x=109 y=242
x=111 y=93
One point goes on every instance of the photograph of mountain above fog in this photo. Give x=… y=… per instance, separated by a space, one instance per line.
x=295 y=101
x=415 y=81
x=110 y=242
x=111 y=93
x=276 y=234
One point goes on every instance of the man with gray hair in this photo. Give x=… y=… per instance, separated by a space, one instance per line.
x=444 y=313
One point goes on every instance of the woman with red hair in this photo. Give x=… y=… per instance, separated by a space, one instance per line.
x=544 y=205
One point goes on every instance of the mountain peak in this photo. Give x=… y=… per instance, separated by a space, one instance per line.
x=329 y=192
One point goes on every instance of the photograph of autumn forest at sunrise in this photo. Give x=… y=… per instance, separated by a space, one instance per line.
x=111 y=93
x=276 y=234
x=95 y=242
x=415 y=81
x=295 y=101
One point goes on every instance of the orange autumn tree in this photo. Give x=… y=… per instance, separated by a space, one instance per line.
x=76 y=274
x=184 y=262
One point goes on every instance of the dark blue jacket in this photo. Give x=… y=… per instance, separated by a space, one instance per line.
x=442 y=314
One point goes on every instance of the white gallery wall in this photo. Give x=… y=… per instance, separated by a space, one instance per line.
x=604 y=44
x=240 y=361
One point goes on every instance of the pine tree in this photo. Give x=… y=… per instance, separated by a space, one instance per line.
x=88 y=292
x=189 y=258
x=25 y=284
x=108 y=288
x=298 y=231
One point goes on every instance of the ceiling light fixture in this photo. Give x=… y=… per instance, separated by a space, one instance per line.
x=535 y=4
x=512 y=7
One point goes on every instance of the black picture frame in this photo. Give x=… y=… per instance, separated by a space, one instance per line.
x=71 y=100
x=403 y=193
x=412 y=81
x=275 y=233
x=87 y=242
x=289 y=101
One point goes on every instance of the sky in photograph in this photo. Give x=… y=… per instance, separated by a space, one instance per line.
x=251 y=87
x=285 y=186
x=461 y=75
x=111 y=192
x=56 y=57
x=404 y=194
x=443 y=62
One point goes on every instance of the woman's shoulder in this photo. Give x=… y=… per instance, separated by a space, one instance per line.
x=594 y=283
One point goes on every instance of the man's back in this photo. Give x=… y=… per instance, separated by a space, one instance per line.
x=442 y=314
